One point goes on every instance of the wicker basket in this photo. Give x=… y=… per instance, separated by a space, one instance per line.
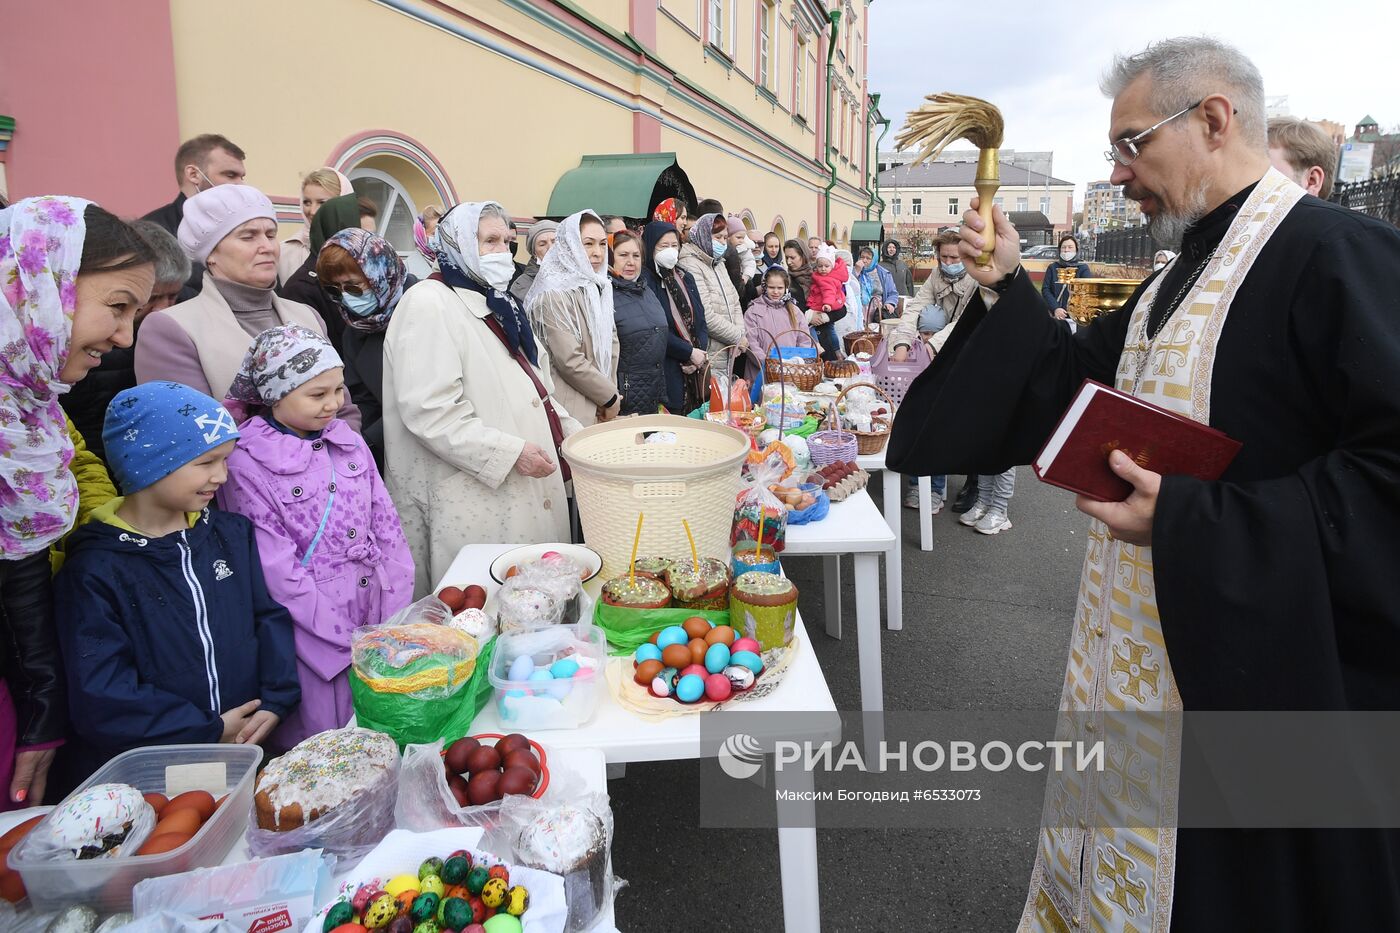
x=827 y=447
x=868 y=442
x=804 y=374
x=870 y=332
x=617 y=476
x=841 y=369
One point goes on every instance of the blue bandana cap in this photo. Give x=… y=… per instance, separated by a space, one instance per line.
x=156 y=428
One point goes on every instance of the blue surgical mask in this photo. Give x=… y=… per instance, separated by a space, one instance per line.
x=362 y=305
x=433 y=242
x=718 y=248
x=954 y=271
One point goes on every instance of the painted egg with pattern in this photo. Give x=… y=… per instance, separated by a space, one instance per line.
x=517 y=901
x=454 y=870
x=664 y=683
x=431 y=866
x=424 y=907
x=477 y=879
x=740 y=677
x=454 y=913
x=431 y=884
x=381 y=911
x=428 y=926
x=499 y=871
x=340 y=913
x=493 y=893
x=364 y=897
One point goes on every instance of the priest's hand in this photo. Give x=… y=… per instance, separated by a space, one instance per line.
x=1006 y=254
x=1131 y=519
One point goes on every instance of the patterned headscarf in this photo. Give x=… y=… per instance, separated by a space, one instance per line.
x=41 y=245
x=280 y=360
x=703 y=234
x=459 y=262
x=668 y=210
x=381 y=266
x=566 y=267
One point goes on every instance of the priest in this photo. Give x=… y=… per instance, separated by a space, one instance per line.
x=1276 y=587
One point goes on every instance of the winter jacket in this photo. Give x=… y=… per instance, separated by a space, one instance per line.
x=723 y=315
x=567 y=332
x=305 y=287
x=829 y=289
x=363 y=356
x=769 y=325
x=162 y=635
x=332 y=570
x=679 y=339
x=458 y=410
x=898 y=269
x=946 y=300
x=878 y=279
x=641 y=337
x=95 y=489
x=520 y=285
x=1055 y=294
x=86 y=403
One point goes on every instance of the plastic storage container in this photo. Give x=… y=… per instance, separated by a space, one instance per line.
x=106 y=884
x=523 y=703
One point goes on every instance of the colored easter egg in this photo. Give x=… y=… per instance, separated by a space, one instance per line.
x=383 y=909
x=493 y=893
x=431 y=866
x=563 y=668
x=502 y=923
x=745 y=644
x=424 y=907
x=647 y=652
x=740 y=677
x=400 y=924
x=662 y=684
x=362 y=898
x=454 y=870
x=517 y=901
x=401 y=883
x=454 y=913
x=559 y=689
x=428 y=926
x=748 y=659
x=431 y=884
x=499 y=871
x=696 y=669
x=677 y=656
x=718 y=688
x=646 y=671
x=340 y=913
x=717 y=658
x=477 y=879
x=690 y=688
x=672 y=635
x=720 y=634
x=521 y=668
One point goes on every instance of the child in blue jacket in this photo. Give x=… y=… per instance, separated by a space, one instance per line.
x=167 y=630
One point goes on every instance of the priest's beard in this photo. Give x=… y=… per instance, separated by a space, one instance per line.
x=1169 y=225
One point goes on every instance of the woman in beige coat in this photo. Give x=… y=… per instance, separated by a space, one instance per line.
x=571 y=298
x=703 y=257
x=471 y=425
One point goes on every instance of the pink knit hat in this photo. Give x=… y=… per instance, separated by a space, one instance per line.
x=213 y=214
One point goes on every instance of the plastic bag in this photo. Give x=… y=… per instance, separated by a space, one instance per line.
x=558 y=576
x=524 y=603
x=74 y=823
x=627 y=629
x=757 y=505
x=347 y=831
x=814 y=512
x=526 y=828
x=425 y=801
x=409 y=719
x=286 y=889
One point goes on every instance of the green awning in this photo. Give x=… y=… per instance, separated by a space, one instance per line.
x=867 y=231
x=628 y=185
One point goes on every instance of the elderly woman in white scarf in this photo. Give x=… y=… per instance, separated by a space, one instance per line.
x=471 y=425
x=571 y=299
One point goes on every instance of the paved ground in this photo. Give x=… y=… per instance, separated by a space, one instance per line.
x=987 y=623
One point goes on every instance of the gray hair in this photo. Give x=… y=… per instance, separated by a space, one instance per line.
x=172 y=265
x=1185 y=70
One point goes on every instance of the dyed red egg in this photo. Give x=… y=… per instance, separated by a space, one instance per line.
x=483 y=758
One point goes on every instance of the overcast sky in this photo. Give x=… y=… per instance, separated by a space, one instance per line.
x=1042 y=63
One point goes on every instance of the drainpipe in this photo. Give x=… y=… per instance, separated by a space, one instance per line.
x=876 y=119
x=834 y=16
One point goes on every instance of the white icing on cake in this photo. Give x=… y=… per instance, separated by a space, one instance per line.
x=326 y=770
x=100 y=811
x=558 y=841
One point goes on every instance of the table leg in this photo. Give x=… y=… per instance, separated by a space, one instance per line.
x=925 y=514
x=797 y=859
x=872 y=688
x=894 y=566
x=831 y=573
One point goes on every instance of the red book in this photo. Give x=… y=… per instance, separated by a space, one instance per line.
x=1102 y=419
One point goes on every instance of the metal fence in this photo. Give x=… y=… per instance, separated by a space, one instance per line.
x=1130 y=246
x=1378 y=197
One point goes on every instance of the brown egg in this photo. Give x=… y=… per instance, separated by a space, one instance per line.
x=165 y=842
x=457 y=753
x=157 y=802
x=458 y=785
x=677 y=656
x=483 y=758
x=697 y=648
x=520 y=758
x=720 y=635
x=12 y=838
x=508 y=742
x=696 y=627
x=517 y=781
x=200 y=801
x=484 y=787
x=654 y=636
x=185 y=821
x=11 y=886
x=647 y=671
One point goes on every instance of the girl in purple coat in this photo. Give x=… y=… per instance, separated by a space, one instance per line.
x=332 y=549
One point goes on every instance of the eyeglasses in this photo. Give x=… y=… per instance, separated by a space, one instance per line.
x=1126 y=151
x=338 y=292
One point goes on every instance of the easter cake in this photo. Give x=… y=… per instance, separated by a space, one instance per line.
x=97 y=822
x=640 y=593
x=763 y=606
x=705 y=588
x=654 y=567
x=322 y=773
x=571 y=842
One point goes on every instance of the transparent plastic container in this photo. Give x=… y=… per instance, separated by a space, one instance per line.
x=106 y=884
x=524 y=704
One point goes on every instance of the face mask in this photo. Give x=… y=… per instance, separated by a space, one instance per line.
x=954 y=271
x=206 y=178
x=496 y=269
x=1068 y=255
x=718 y=248
x=1158 y=266
x=666 y=258
x=433 y=242
x=362 y=305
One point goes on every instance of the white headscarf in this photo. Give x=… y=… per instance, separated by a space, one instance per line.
x=457 y=236
x=566 y=267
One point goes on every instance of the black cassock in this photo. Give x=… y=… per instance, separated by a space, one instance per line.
x=1279 y=585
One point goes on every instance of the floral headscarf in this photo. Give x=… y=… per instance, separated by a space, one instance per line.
x=41 y=245
x=381 y=266
x=280 y=360
x=703 y=234
x=668 y=210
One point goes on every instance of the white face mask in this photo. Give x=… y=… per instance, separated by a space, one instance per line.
x=666 y=258
x=1068 y=255
x=1158 y=265
x=496 y=269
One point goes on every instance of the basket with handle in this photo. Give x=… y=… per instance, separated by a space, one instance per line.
x=868 y=442
x=869 y=325
x=895 y=377
x=804 y=374
x=618 y=474
x=832 y=445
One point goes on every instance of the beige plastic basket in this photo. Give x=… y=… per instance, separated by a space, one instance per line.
x=618 y=476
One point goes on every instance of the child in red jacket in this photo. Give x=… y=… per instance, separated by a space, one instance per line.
x=827 y=298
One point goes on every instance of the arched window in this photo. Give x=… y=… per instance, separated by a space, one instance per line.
x=396 y=213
